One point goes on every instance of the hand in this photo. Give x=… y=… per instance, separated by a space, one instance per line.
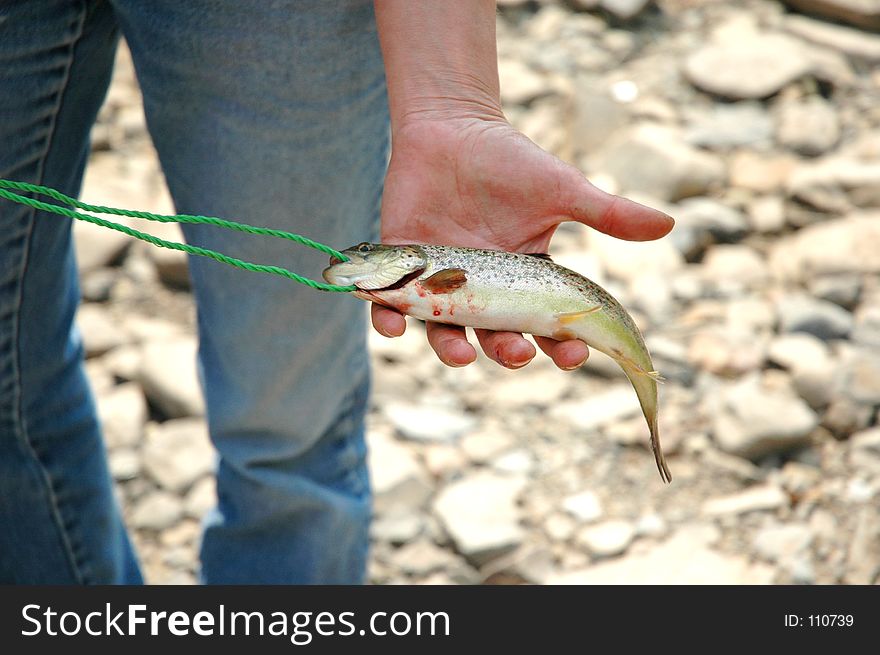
x=477 y=182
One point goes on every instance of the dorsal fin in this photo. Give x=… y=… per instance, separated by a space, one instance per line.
x=540 y=255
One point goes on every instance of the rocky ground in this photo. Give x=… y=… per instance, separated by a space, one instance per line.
x=758 y=129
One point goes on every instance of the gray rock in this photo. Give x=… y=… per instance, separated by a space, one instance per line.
x=767 y=214
x=854 y=43
x=746 y=70
x=608 y=538
x=627 y=260
x=727 y=126
x=802 y=313
x=520 y=84
x=836 y=184
x=626 y=9
x=685 y=558
x=735 y=267
x=99 y=331
x=397 y=528
x=864 y=451
x=177 y=453
x=792 y=351
x=866 y=332
x=596 y=115
x=755 y=421
x=844 y=290
x=519 y=461
x=809 y=127
x=421 y=557
x=656 y=161
x=97 y=284
x=840 y=246
x=782 y=543
x=124 y=463
x=427 y=422
x=844 y=416
x=814 y=383
x=601 y=409
x=156 y=511
x=480 y=514
x=861 y=13
x=97 y=246
x=123 y=413
x=863 y=560
x=759 y=498
x=584 y=506
x=169 y=377
x=700 y=222
x=399 y=482
x=559 y=527
x=760 y=172
x=202 y=498
x=485 y=444
x=124 y=362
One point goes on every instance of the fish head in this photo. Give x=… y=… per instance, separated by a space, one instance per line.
x=373 y=266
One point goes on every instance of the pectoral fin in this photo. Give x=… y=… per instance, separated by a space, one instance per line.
x=445 y=281
x=570 y=317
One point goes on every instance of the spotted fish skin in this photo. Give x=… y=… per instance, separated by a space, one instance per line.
x=505 y=291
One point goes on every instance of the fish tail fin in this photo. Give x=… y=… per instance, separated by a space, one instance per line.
x=659 y=457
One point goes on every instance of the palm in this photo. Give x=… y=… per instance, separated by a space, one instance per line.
x=480 y=183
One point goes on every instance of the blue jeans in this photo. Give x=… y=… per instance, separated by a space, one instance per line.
x=272 y=113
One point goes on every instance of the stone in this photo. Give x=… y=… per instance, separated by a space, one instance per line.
x=124 y=362
x=860 y=13
x=201 y=498
x=844 y=290
x=626 y=9
x=844 y=417
x=836 y=184
x=627 y=260
x=758 y=498
x=760 y=172
x=685 y=558
x=596 y=411
x=178 y=452
x=747 y=70
x=520 y=84
x=767 y=214
x=443 y=459
x=802 y=313
x=730 y=125
x=519 y=461
x=608 y=538
x=814 y=383
x=124 y=463
x=485 y=444
x=157 y=510
x=736 y=264
x=597 y=114
x=864 y=450
x=796 y=350
x=838 y=246
x=169 y=377
x=97 y=247
x=656 y=161
x=480 y=514
x=422 y=557
x=755 y=421
x=782 y=543
x=428 y=422
x=584 y=506
x=100 y=333
x=123 y=413
x=172 y=267
x=859 y=377
x=399 y=482
x=854 y=43
x=97 y=284
x=559 y=527
x=809 y=127
x=541 y=387
x=397 y=528
x=700 y=222
x=863 y=559
x=726 y=351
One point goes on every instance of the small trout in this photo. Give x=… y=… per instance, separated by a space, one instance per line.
x=505 y=291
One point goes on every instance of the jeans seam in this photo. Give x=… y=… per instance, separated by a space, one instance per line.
x=20 y=424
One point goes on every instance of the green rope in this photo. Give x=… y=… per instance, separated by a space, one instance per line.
x=172 y=245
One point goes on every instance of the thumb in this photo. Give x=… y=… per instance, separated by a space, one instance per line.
x=619 y=217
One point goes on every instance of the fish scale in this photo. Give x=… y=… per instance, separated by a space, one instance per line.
x=500 y=290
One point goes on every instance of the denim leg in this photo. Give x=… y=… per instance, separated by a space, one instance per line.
x=274 y=113
x=59 y=522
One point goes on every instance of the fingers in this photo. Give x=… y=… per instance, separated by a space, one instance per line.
x=567 y=355
x=614 y=215
x=509 y=349
x=388 y=322
x=450 y=344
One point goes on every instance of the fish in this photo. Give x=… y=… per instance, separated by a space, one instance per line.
x=506 y=291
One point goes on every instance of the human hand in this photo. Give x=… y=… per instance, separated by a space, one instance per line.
x=475 y=181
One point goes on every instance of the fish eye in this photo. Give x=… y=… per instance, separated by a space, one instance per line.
x=364 y=247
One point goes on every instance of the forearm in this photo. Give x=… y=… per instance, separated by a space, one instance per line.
x=440 y=59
